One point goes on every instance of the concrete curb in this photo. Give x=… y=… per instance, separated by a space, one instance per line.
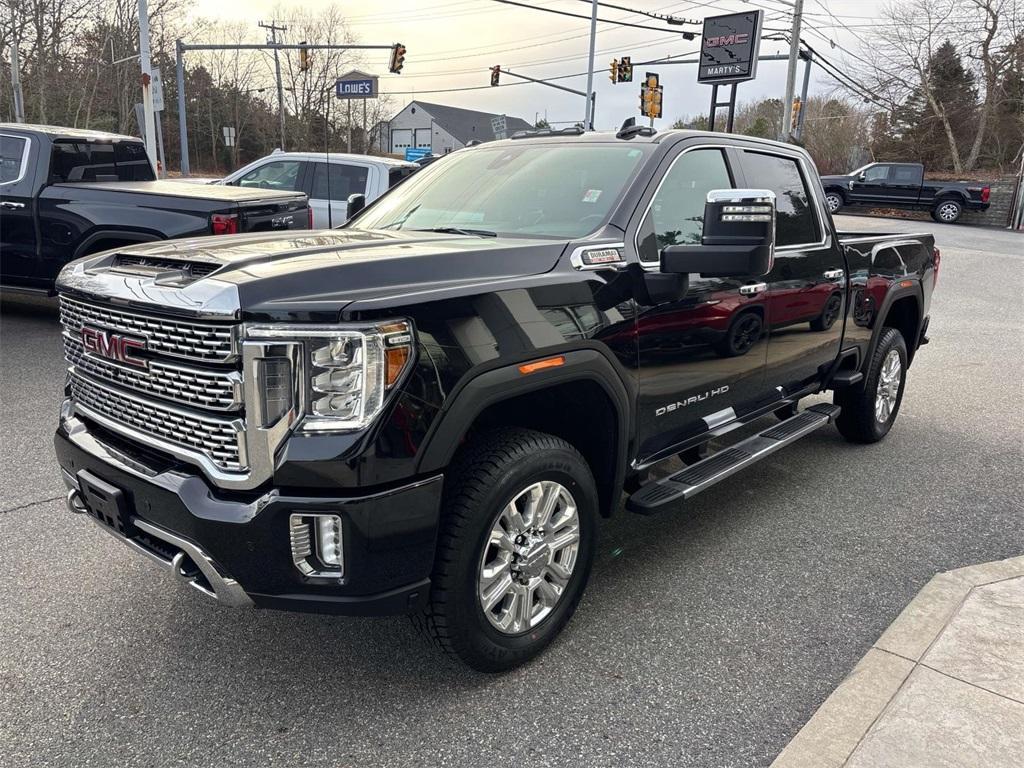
x=833 y=733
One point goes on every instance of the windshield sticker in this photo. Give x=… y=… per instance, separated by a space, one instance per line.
x=592 y=196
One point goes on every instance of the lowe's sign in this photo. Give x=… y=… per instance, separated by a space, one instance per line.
x=356 y=85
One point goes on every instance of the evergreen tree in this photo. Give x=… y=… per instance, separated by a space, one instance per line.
x=918 y=123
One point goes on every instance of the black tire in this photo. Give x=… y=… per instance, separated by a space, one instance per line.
x=858 y=421
x=829 y=313
x=744 y=332
x=487 y=475
x=947 y=211
x=834 y=201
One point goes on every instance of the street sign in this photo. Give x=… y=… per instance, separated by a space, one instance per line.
x=229 y=136
x=156 y=90
x=356 y=85
x=499 y=125
x=729 y=48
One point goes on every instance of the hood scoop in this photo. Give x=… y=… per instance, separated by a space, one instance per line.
x=164 y=271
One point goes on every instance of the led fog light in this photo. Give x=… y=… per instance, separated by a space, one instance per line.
x=316 y=543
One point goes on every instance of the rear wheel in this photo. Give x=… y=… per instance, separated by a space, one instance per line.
x=947 y=211
x=515 y=548
x=869 y=412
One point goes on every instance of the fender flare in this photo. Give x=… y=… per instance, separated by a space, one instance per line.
x=113 y=234
x=895 y=293
x=470 y=399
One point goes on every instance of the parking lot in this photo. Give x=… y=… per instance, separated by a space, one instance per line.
x=707 y=637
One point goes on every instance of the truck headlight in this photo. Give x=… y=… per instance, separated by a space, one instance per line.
x=345 y=370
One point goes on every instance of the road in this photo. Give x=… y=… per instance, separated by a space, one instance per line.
x=707 y=637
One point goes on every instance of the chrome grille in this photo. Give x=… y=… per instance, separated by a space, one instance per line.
x=214 y=389
x=205 y=342
x=216 y=438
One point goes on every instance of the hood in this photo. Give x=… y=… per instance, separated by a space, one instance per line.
x=307 y=274
x=167 y=188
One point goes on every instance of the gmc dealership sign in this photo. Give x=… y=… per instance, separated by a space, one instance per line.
x=729 y=47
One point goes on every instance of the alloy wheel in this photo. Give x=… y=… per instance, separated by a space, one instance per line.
x=889 y=379
x=948 y=212
x=529 y=557
x=834 y=202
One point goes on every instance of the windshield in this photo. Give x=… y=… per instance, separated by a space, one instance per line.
x=546 y=190
x=78 y=161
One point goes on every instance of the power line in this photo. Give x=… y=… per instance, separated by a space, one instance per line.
x=667 y=18
x=688 y=35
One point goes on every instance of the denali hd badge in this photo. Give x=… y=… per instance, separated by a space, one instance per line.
x=113 y=346
x=691 y=400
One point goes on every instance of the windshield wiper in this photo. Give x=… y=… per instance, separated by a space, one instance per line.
x=459 y=231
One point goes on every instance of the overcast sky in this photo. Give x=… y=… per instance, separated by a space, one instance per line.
x=451 y=44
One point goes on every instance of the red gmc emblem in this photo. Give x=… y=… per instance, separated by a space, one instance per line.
x=113 y=346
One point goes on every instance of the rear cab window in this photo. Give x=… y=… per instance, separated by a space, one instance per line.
x=797 y=220
x=13 y=158
x=73 y=161
x=342 y=181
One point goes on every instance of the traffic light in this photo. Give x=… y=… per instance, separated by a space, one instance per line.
x=613 y=71
x=650 y=101
x=651 y=79
x=397 y=59
x=303 y=57
x=495 y=74
x=794 y=120
x=626 y=70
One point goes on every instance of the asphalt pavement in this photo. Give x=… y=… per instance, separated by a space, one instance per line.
x=707 y=637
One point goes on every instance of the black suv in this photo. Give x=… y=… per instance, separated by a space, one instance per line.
x=428 y=410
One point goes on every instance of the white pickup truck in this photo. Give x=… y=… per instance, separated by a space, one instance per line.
x=328 y=192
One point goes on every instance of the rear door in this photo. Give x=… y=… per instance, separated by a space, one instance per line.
x=806 y=285
x=329 y=191
x=904 y=185
x=19 y=258
x=701 y=354
x=872 y=188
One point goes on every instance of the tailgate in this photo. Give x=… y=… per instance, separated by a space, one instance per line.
x=273 y=215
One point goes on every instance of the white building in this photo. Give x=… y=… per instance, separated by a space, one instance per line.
x=439 y=128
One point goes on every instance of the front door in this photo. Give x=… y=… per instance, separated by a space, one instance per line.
x=19 y=259
x=872 y=188
x=701 y=353
x=806 y=296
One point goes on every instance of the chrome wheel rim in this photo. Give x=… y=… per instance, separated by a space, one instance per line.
x=833 y=202
x=947 y=212
x=889 y=379
x=529 y=557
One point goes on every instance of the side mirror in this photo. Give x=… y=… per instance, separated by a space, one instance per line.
x=861 y=176
x=356 y=203
x=738 y=238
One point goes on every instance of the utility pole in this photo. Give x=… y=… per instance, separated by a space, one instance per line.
x=274 y=29
x=147 y=78
x=794 y=52
x=19 y=97
x=589 y=121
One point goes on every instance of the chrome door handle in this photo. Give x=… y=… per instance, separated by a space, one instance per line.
x=753 y=290
x=834 y=274
x=12 y=206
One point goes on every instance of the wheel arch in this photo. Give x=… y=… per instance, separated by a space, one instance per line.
x=584 y=401
x=902 y=310
x=112 y=238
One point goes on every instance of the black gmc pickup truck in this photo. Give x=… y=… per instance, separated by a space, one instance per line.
x=67 y=193
x=903 y=185
x=428 y=410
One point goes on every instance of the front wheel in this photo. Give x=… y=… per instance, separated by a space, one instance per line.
x=869 y=412
x=834 y=201
x=948 y=211
x=744 y=332
x=516 y=545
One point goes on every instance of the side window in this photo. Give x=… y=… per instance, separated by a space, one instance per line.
x=279 y=174
x=676 y=215
x=904 y=174
x=796 y=222
x=344 y=180
x=12 y=158
x=876 y=174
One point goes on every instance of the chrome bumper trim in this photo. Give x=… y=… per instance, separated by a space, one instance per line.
x=223 y=589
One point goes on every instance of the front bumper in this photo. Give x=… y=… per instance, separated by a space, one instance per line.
x=235 y=546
